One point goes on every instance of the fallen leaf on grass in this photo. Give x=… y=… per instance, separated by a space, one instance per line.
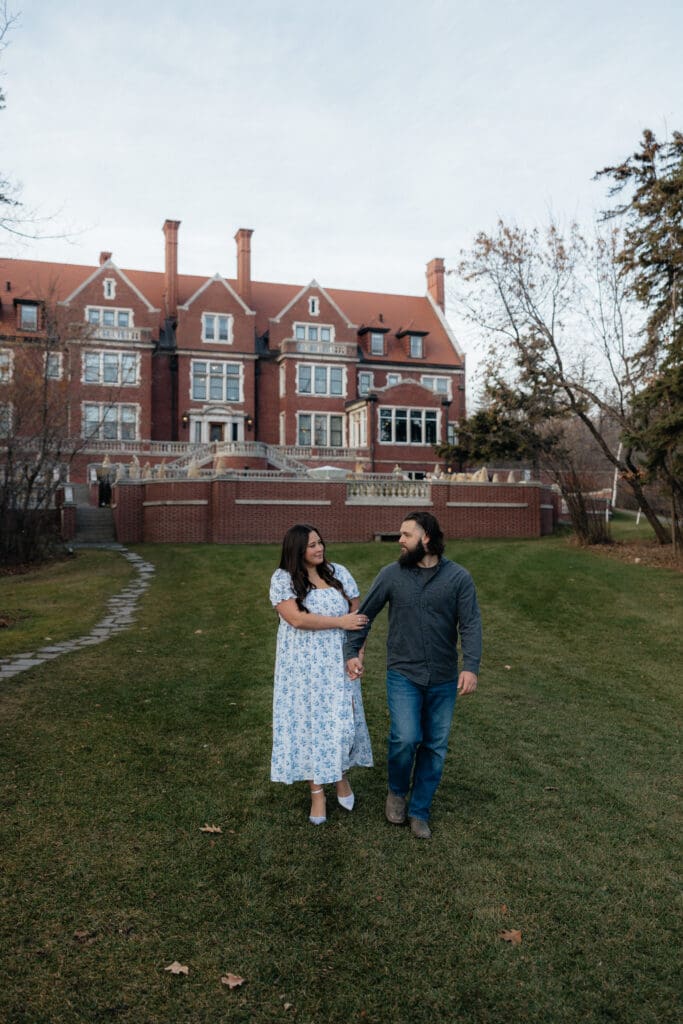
x=213 y=829
x=232 y=980
x=85 y=936
x=503 y=908
x=177 y=968
x=508 y=667
x=550 y=789
x=512 y=936
x=197 y=631
x=287 y=1006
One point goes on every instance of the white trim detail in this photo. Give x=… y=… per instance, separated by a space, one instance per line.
x=487 y=504
x=446 y=326
x=275 y=501
x=228 y=288
x=195 y=501
x=109 y=265
x=302 y=291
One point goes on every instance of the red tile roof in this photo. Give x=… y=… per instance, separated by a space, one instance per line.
x=56 y=281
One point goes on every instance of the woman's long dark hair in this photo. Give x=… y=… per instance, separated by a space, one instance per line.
x=292 y=561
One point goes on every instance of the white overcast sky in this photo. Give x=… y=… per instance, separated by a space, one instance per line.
x=357 y=138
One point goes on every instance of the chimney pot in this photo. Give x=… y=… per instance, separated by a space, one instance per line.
x=104 y=256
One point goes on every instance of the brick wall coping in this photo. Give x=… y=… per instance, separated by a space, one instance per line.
x=488 y=504
x=276 y=501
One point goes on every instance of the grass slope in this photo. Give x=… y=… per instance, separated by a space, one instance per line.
x=555 y=815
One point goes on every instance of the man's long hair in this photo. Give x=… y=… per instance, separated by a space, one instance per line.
x=294 y=547
x=430 y=525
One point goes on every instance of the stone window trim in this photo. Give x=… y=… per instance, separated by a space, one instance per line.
x=110 y=368
x=109 y=316
x=313 y=306
x=438 y=383
x=318 y=429
x=216 y=380
x=217 y=328
x=407 y=425
x=110 y=421
x=312 y=332
x=321 y=380
x=366 y=382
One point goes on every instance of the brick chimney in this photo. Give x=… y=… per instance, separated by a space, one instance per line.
x=170 y=230
x=435 y=281
x=243 y=239
x=104 y=257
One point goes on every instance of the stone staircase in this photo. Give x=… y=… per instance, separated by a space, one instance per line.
x=94 y=527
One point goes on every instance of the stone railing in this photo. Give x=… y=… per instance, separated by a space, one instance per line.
x=348 y=350
x=379 y=487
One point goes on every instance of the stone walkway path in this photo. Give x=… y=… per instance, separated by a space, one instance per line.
x=120 y=615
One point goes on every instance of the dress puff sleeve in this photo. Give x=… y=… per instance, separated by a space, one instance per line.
x=281 y=587
x=346 y=579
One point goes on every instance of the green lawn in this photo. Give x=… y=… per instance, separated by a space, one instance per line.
x=556 y=815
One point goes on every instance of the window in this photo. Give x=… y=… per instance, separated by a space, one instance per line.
x=110 y=422
x=313 y=332
x=320 y=380
x=5 y=366
x=320 y=430
x=217 y=327
x=28 y=316
x=313 y=306
x=376 y=343
x=416 y=346
x=439 y=385
x=365 y=383
x=393 y=379
x=53 y=365
x=452 y=431
x=104 y=316
x=216 y=382
x=115 y=368
x=109 y=287
x=407 y=426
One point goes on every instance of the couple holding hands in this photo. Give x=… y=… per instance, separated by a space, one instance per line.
x=319 y=728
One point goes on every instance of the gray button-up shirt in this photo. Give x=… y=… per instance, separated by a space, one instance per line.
x=427 y=611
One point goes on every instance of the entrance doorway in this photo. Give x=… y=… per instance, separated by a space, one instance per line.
x=216 y=431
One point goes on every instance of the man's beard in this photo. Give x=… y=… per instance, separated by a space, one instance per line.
x=409 y=559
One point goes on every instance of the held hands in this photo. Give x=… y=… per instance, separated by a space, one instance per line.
x=353 y=621
x=354 y=668
x=467 y=683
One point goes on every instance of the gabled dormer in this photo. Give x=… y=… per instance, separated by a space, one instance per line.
x=313 y=323
x=111 y=306
x=216 y=318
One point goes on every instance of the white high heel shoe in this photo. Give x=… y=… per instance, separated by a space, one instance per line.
x=313 y=818
x=347 y=802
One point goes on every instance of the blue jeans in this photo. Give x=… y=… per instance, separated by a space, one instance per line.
x=420 y=723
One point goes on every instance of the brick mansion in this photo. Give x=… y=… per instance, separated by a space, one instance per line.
x=156 y=363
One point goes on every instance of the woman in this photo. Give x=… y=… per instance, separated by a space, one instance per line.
x=319 y=728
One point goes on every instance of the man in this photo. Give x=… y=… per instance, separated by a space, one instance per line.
x=431 y=600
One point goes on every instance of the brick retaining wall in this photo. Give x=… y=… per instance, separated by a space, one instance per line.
x=243 y=511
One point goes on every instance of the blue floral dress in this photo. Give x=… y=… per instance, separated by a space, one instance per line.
x=319 y=728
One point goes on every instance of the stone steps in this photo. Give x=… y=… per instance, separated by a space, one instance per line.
x=94 y=525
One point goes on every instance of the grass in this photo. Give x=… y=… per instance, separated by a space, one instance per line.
x=555 y=815
x=58 y=601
